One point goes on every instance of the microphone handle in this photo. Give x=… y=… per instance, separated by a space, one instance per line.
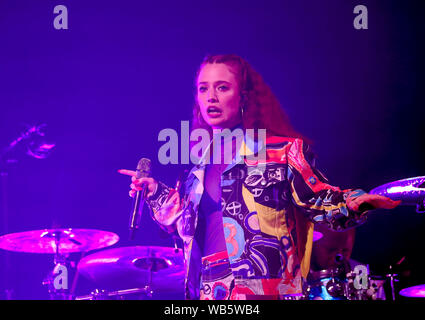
x=136 y=215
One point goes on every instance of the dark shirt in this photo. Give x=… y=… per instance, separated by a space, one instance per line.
x=210 y=213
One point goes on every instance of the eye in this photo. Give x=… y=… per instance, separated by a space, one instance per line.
x=223 y=88
x=202 y=89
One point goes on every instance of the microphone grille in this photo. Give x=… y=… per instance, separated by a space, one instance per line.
x=144 y=168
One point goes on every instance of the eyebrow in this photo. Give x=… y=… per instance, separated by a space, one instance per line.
x=217 y=82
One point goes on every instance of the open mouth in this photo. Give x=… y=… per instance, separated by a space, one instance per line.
x=214 y=111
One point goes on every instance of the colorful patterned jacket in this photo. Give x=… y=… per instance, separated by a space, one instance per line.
x=269 y=210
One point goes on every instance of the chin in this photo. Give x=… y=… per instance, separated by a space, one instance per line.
x=215 y=123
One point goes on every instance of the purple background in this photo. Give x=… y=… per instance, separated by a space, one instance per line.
x=124 y=70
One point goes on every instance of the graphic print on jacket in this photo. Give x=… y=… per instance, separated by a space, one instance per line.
x=269 y=208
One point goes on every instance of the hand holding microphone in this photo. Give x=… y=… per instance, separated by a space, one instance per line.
x=142 y=187
x=137 y=183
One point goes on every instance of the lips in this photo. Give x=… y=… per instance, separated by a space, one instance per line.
x=214 y=111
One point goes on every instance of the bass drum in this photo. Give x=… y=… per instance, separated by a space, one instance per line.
x=334 y=284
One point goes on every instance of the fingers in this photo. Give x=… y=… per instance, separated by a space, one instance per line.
x=375 y=200
x=383 y=202
x=137 y=183
x=127 y=172
x=132 y=193
x=353 y=205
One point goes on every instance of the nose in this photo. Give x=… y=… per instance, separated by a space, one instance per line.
x=212 y=97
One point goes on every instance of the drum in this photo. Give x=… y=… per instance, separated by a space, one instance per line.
x=373 y=289
x=328 y=284
x=376 y=289
x=335 y=284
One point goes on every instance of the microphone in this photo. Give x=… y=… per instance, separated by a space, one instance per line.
x=143 y=171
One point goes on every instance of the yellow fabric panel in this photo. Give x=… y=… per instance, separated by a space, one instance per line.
x=271 y=221
x=304 y=229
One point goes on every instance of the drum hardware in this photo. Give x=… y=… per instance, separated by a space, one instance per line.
x=57 y=290
x=156 y=268
x=60 y=243
x=393 y=278
x=376 y=288
x=150 y=264
x=294 y=296
x=105 y=295
x=335 y=287
x=94 y=295
x=33 y=143
x=353 y=293
x=327 y=284
x=152 y=269
x=337 y=284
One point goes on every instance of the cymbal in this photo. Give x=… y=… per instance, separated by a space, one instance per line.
x=414 y=292
x=159 y=267
x=66 y=240
x=410 y=191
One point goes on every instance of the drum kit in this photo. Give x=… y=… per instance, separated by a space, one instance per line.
x=137 y=271
x=339 y=283
x=336 y=284
x=142 y=270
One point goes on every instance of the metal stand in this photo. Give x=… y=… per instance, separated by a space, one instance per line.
x=105 y=295
x=393 y=278
x=37 y=148
x=8 y=291
x=151 y=264
x=57 y=280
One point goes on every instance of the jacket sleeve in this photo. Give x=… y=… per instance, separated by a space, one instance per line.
x=321 y=202
x=164 y=210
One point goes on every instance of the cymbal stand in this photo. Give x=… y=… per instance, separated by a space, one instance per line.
x=149 y=291
x=9 y=155
x=6 y=276
x=57 y=280
x=393 y=278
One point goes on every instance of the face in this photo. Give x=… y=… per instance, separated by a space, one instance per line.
x=218 y=96
x=325 y=250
